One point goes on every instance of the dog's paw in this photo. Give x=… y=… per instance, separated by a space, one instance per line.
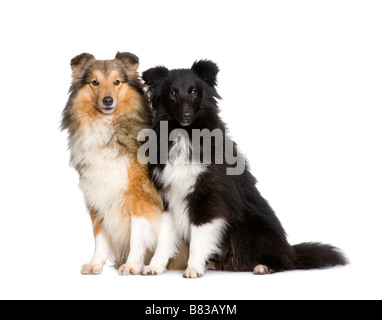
x=91 y=269
x=153 y=270
x=211 y=266
x=262 y=269
x=193 y=272
x=130 y=269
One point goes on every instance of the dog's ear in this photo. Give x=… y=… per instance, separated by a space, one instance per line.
x=79 y=62
x=129 y=60
x=152 y=76
x=207 y=70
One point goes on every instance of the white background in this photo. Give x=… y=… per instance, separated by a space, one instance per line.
x=301 y=82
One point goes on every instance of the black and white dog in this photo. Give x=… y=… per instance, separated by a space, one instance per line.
x=221 y=215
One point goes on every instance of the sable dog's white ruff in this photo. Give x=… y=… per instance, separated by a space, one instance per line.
x=103 y=178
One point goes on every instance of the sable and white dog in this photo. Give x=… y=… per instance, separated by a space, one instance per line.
x=106 y=109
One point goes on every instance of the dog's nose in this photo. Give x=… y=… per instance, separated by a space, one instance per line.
x=187 y=116
x=108 y=101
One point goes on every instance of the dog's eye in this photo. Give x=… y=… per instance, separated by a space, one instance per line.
x=95 y=83
x=194 y=92
x=173 y=93
x=117 y=82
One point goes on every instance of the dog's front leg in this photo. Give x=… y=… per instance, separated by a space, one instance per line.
x=205 y=241
x=166 y=246
x=101 y=254
x=142 y=236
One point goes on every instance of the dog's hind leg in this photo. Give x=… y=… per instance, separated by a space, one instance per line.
x=261 y=269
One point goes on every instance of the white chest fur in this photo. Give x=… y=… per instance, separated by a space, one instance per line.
x=103 y=171
x=179 y=178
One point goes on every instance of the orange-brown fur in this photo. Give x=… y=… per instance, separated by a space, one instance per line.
x=97 y=224
x=86 y=104
x=131 y=114
x=142 y=197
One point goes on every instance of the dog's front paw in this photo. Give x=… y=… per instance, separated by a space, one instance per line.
x=92 y=269
x=130 y=269
x=152 y=270
x=193 y=272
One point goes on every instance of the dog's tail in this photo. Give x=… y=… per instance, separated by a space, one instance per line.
x=313 y=255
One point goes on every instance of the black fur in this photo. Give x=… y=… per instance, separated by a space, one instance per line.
x=254 y=235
